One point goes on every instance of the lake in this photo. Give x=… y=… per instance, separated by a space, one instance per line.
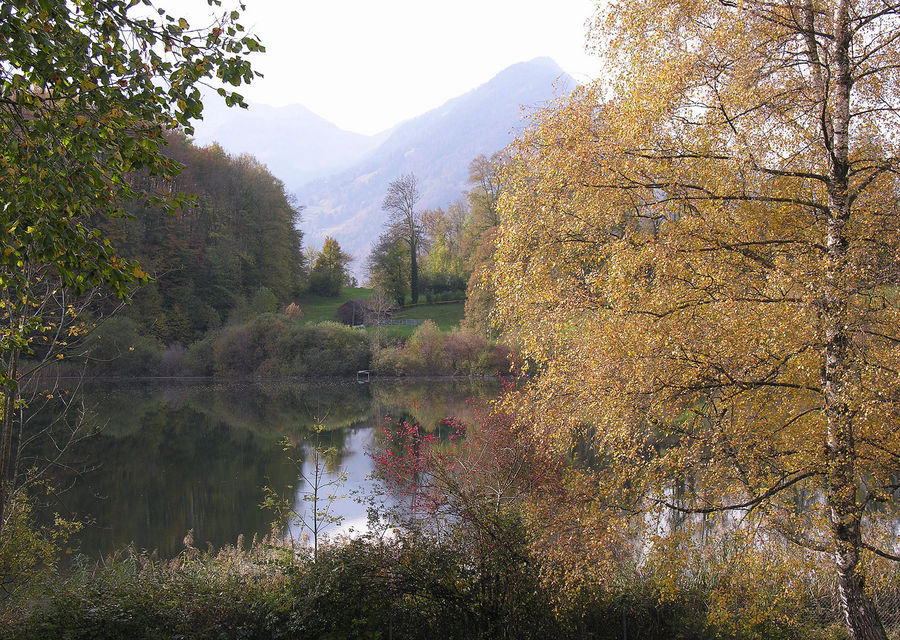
x=176 y=456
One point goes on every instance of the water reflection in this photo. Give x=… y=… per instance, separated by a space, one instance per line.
x=343 y=499
x=174 y=457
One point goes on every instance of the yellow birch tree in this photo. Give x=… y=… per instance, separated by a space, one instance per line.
x=701 y=261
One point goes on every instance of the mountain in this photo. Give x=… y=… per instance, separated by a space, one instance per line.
x=295 y=144
x=437 y=146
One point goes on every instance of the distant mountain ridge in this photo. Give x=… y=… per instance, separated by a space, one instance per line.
x=437 y=146
x=294 y=143
x=341 y=177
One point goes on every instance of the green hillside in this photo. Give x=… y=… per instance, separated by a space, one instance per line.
x=324 y=308
x=446 y=316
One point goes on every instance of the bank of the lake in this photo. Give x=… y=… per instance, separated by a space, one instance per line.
x=408 y=585
x=277 y=344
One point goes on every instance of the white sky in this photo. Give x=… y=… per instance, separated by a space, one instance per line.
x=366 y=65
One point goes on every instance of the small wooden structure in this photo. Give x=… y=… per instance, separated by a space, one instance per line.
x=356 y=312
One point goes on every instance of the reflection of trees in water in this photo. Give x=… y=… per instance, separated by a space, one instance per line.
x=177 y=457
x=269 y=409
x=428 y=402
x=179 y=470
x=287 y=408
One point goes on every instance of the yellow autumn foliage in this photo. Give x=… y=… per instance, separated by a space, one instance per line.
x=699 y=257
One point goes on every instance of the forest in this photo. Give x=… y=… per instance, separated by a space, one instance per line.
x=238 y=235
x=690 y=267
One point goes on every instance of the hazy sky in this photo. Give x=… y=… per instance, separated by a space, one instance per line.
x=368 y=64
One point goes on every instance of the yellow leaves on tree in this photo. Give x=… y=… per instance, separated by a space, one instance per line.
x=700 y=260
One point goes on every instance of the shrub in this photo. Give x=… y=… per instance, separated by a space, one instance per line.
x=233 y=352
x=471 y=493
x=425 y=349
x=173 y=361
x=200 y=357
x=137 y=596
x=463 y=349
x=27 y=550
x=430 y=352
x=293 y=311
x=449 y=296
x=390 y=361
x=479 y=580
x=336 y=349
x=263 y=301
x=275 y=345
x=494 y=359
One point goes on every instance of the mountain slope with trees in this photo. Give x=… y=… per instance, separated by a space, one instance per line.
x=437 y=146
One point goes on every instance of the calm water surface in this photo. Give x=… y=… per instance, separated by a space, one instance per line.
x=171 y=457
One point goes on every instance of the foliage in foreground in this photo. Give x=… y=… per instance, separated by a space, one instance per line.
x=238 y=594
x=482 y=551
x=410 y=586
x=88 y=91
x=28 y=550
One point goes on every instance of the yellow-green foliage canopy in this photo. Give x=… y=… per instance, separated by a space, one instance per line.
x=701 y=261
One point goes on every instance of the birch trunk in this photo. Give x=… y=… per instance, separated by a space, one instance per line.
x=859 y=612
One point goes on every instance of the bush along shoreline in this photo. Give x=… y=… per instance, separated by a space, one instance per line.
x=273 y=345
